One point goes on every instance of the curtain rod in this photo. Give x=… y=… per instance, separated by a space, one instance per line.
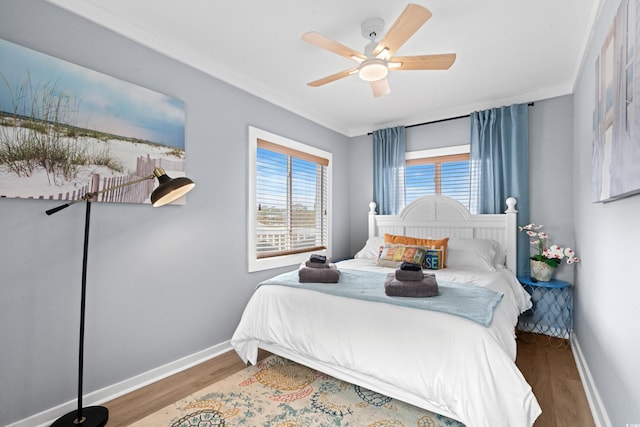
x=442 y=120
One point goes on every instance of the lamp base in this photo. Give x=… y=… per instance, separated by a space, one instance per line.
x=92 y=416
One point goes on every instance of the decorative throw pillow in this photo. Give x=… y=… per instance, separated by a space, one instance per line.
x=429 y=243
x=394 y=255
x=433 y=259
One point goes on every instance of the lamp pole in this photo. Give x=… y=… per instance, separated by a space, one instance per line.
x=92 y=416
x=167 y=191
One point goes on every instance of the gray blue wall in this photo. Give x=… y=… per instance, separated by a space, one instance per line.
x=607 y=291
x=162 y=283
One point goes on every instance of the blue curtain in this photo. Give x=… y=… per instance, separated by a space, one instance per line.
x=388 y=170
x=500 y=166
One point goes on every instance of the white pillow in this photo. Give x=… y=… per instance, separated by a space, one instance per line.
x=482 y=254
x=371 y=249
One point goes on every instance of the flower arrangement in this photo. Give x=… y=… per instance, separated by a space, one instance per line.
x=550 y=255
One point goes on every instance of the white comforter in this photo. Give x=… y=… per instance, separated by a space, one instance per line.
x=440 y=362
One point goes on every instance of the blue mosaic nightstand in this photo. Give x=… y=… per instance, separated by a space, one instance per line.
x=552 y=311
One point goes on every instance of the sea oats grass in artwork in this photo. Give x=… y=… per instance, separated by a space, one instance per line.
x=66 y=131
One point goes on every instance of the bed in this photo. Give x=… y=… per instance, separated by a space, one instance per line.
x=443 y=362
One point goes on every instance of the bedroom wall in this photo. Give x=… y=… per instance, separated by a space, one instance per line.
x=162 y=283
x=606 y=292
x=550 y=172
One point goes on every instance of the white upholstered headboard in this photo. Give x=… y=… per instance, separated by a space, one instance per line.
x=441 y=216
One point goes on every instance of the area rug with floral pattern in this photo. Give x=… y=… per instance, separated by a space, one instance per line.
x=280 y=393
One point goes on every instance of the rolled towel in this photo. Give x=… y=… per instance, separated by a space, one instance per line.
x=410 y=266
x=409 y=274
x=318 y=258
x=331 y=274
x=427 y=287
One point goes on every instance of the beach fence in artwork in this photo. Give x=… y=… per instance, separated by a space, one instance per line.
x=136 y=193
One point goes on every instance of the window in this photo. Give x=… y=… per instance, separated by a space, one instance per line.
x=289 y=193
x=439 y=171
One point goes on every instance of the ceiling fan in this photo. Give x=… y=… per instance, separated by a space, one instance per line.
x=374 y=65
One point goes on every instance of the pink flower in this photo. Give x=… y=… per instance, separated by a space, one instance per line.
x=554 y=252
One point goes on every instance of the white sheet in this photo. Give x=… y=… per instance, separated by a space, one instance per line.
x=443 y=363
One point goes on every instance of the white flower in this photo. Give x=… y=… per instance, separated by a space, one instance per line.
x=551 y=255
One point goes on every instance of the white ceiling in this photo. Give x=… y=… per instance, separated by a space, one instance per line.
x=508 y=51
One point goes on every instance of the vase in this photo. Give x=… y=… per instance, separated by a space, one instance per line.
x=541 y=271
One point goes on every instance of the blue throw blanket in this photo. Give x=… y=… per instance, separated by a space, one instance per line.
x=460 y=299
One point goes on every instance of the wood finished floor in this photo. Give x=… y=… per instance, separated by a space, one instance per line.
x=548 y=366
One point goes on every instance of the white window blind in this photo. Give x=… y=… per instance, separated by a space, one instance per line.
x=290 y=203
x=438 y=174
x=291 y=194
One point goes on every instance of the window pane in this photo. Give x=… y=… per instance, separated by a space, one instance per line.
x=438 y=176
x=455 y=181
x=306 y=226
x=290 y=202
x=419 y=181
x=271 y=200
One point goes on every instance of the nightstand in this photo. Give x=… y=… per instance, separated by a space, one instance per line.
x=552 y=310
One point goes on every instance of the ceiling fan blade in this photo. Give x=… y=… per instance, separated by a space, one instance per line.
x=333 y=77
x=410 y=20
x=332 y=46
x=380 y=87
x=423 y=62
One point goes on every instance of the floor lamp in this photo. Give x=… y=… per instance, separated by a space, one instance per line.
x=167 y=191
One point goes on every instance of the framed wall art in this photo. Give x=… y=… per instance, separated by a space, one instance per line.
x=66 y=130
x=616 y=141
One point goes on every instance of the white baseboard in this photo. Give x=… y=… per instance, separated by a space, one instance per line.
x=98 y=397
x=598 y=411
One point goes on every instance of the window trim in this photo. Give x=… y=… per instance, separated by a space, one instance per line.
x=438 y=152
x=259 y=264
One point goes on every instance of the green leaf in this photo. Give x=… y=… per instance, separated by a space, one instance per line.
x=552 y=262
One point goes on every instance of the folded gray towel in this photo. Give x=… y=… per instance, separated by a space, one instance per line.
x=330 y=274
x=313 y=264
x=427 y=287
x=408 y=274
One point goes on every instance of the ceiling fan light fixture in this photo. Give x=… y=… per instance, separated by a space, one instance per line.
x=373 y=70
x=377 y=61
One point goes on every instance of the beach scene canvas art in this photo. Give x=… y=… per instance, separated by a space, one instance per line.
x=616 y=116
x=66 y=130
